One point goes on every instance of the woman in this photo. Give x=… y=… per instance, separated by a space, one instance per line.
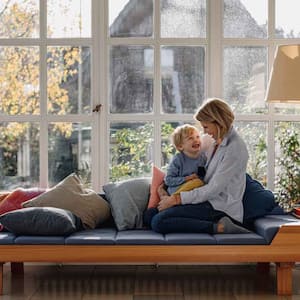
x=217 y=206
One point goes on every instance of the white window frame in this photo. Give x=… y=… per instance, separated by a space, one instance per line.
x=100 y=43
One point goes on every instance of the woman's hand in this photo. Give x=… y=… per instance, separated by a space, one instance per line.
x=168 y=201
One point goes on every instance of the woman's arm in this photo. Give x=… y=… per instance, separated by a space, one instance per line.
x=168 y=201
x=225 y=174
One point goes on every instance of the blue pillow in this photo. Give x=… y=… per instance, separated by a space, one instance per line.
x=41 y=221
x=257 y=201
x=128 y=199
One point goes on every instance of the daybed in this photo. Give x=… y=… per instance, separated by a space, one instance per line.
x=276 y=239
x=44 y=232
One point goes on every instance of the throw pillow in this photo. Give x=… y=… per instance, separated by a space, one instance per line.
x=157 y=179
x=3 y=196
x=69 y=194
x=40 y=221
x=257 y=200
x=128 y=200
x=15 y=199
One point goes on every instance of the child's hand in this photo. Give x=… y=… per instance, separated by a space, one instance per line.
x=191 y=177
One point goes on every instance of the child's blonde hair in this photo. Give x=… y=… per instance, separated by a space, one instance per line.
x=180 y=133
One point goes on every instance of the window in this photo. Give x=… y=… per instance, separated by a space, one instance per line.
x=45 y=83
x=147 y=65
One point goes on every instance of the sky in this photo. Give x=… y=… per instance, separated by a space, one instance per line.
x=115 y=7
x=287 y=13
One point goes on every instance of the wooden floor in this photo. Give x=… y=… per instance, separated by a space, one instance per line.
x=163 y=282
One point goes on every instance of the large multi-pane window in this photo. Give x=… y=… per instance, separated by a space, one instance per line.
x=96 y=87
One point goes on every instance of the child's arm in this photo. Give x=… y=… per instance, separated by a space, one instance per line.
x=173 y=177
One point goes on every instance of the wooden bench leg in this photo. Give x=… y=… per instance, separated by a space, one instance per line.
x=1 y=278
x=17 y=267
x=284 y=278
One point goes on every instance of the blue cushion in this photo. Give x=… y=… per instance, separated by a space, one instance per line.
x=277 y=210
x=101 y=236
x=257 y=201
x=128 y=199
x=40 y=240
x=6 y=238
x=40 y=221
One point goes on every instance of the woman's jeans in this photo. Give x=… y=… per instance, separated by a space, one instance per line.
x=197 y=218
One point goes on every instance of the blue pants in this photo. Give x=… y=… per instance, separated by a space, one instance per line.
x=197 y=218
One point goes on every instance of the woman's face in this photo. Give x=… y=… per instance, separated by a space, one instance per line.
x=211 y=129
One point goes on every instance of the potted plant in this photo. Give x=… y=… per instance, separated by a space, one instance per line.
x=287 y=183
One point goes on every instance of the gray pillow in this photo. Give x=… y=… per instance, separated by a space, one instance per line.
x=70 y=194
x=40 y=221
x=128 y=199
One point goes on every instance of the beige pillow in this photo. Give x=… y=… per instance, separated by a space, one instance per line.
x=69 y=194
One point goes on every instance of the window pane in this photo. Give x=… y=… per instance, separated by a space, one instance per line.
x=68 y=18
x=255 y=137
x=183 y=19
x=287 y=162
x=19 y=155
x=167 y=149
x=287 y=108
x=69 y=82
x=130 y=150
x=287 y=18
x=245 y=19
x=19 y=80
x=244 y=78
x=253 y=133
x=69 y=151
x=182 y=73
x=131 y=18
x=131 y=79
x=19 y=18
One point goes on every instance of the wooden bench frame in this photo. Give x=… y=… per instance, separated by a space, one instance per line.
x=284 y=251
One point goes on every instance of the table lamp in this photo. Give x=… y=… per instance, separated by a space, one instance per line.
x=284 y=83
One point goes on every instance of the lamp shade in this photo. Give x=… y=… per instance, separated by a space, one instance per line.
x=284 y=83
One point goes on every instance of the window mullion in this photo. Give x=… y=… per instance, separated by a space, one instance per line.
x=157 y=103
x=214 y=51
x=101 y=65
x=43 y=96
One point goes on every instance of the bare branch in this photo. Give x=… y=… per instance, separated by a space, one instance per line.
x=4 y=8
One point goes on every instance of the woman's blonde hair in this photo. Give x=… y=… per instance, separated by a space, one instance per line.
x=216 y=111
x=180 y=132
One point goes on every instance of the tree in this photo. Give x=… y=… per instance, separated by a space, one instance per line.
x=20 y=78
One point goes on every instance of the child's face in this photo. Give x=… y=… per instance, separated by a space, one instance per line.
x=191 y=144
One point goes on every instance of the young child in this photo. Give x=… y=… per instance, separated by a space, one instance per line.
x=186 y=169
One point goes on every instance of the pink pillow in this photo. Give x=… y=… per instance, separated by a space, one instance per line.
x=157 y=179
x=14 y=200
x=3 y=196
